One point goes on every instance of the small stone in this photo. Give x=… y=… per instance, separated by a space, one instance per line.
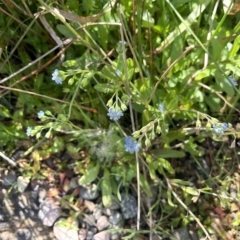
x=97 y=212
x=34 y=192
x=115 y=218
x=62 y=232
x=42 y=194
x=90 y=235
x=93 y=230
x=89 y=219
x=102 y=223
x=22 y=183
x=73 y=183
x=115 y=236
x=89 y=192
x=104 y=235
x=181 y=234
x=108 y=211
x=82 y=234
x=9 y=178
x=24 y=234
x=90 y=205
x=21 y=215
x=115 y=205
x=49 y=212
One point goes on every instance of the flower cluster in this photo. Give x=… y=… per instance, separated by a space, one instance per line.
x=28 y=132
x=56 y=78
x=114 y=114
x=232 y=81
x=220 y=128
x=40 y=114
x=161 y=107
x=131 y=146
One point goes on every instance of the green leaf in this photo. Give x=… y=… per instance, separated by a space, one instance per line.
x=90 y=175
x=48 y=134
x=173 y=135
x=146 y=117
x=145 y=185
x=180 y=182
x=152 y=171
x=168 y=153
x=202 y=74
x=65 y=31
x=235 y=47
x=4 y=112
x=163 y=163
x=191 y=191
x=173 y=104
x=169 y=198
x=106 y=189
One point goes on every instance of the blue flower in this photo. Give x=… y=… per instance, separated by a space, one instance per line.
x=220 y=128
x=114 y=114
x=232 y=81
x=124 y=42
x=161 y=107
x=28 y=132
x=131 y=146
x=40 y=114
x=55 y=77
x=118 y=72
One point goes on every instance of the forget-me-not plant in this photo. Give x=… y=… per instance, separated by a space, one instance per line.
x=220 y=128
x=40 y=114
x=232 y=81
x=28 y=132
x=114 y=114
x=161 y=107
x=56 y=78
x=131 y=146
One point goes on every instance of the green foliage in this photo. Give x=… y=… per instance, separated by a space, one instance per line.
x=165 y=53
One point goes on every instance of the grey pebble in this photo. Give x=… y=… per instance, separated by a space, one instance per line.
x=9 y=178
x=89 y=220
x=103 y=223
x=24 y=234
x=49 y=212
x=89 y=235
x=181 y=234
x=102 y=235
x=93 y=229
x=82 y=234
x=73 y=183
x=115 y=205
x=108 y=211
x=62 y=232
x=89 y=192
x=115 y=218
x=90 y=205
x=97 y=212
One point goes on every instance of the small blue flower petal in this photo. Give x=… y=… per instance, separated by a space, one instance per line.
x=40 y=114
x=220 y=128
x=114 y=114
x=232 y=81
x=118 y=72
x=131 y=146
x=224 y=126
x=161 y=107
x=28 y=132
x=56 y=78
